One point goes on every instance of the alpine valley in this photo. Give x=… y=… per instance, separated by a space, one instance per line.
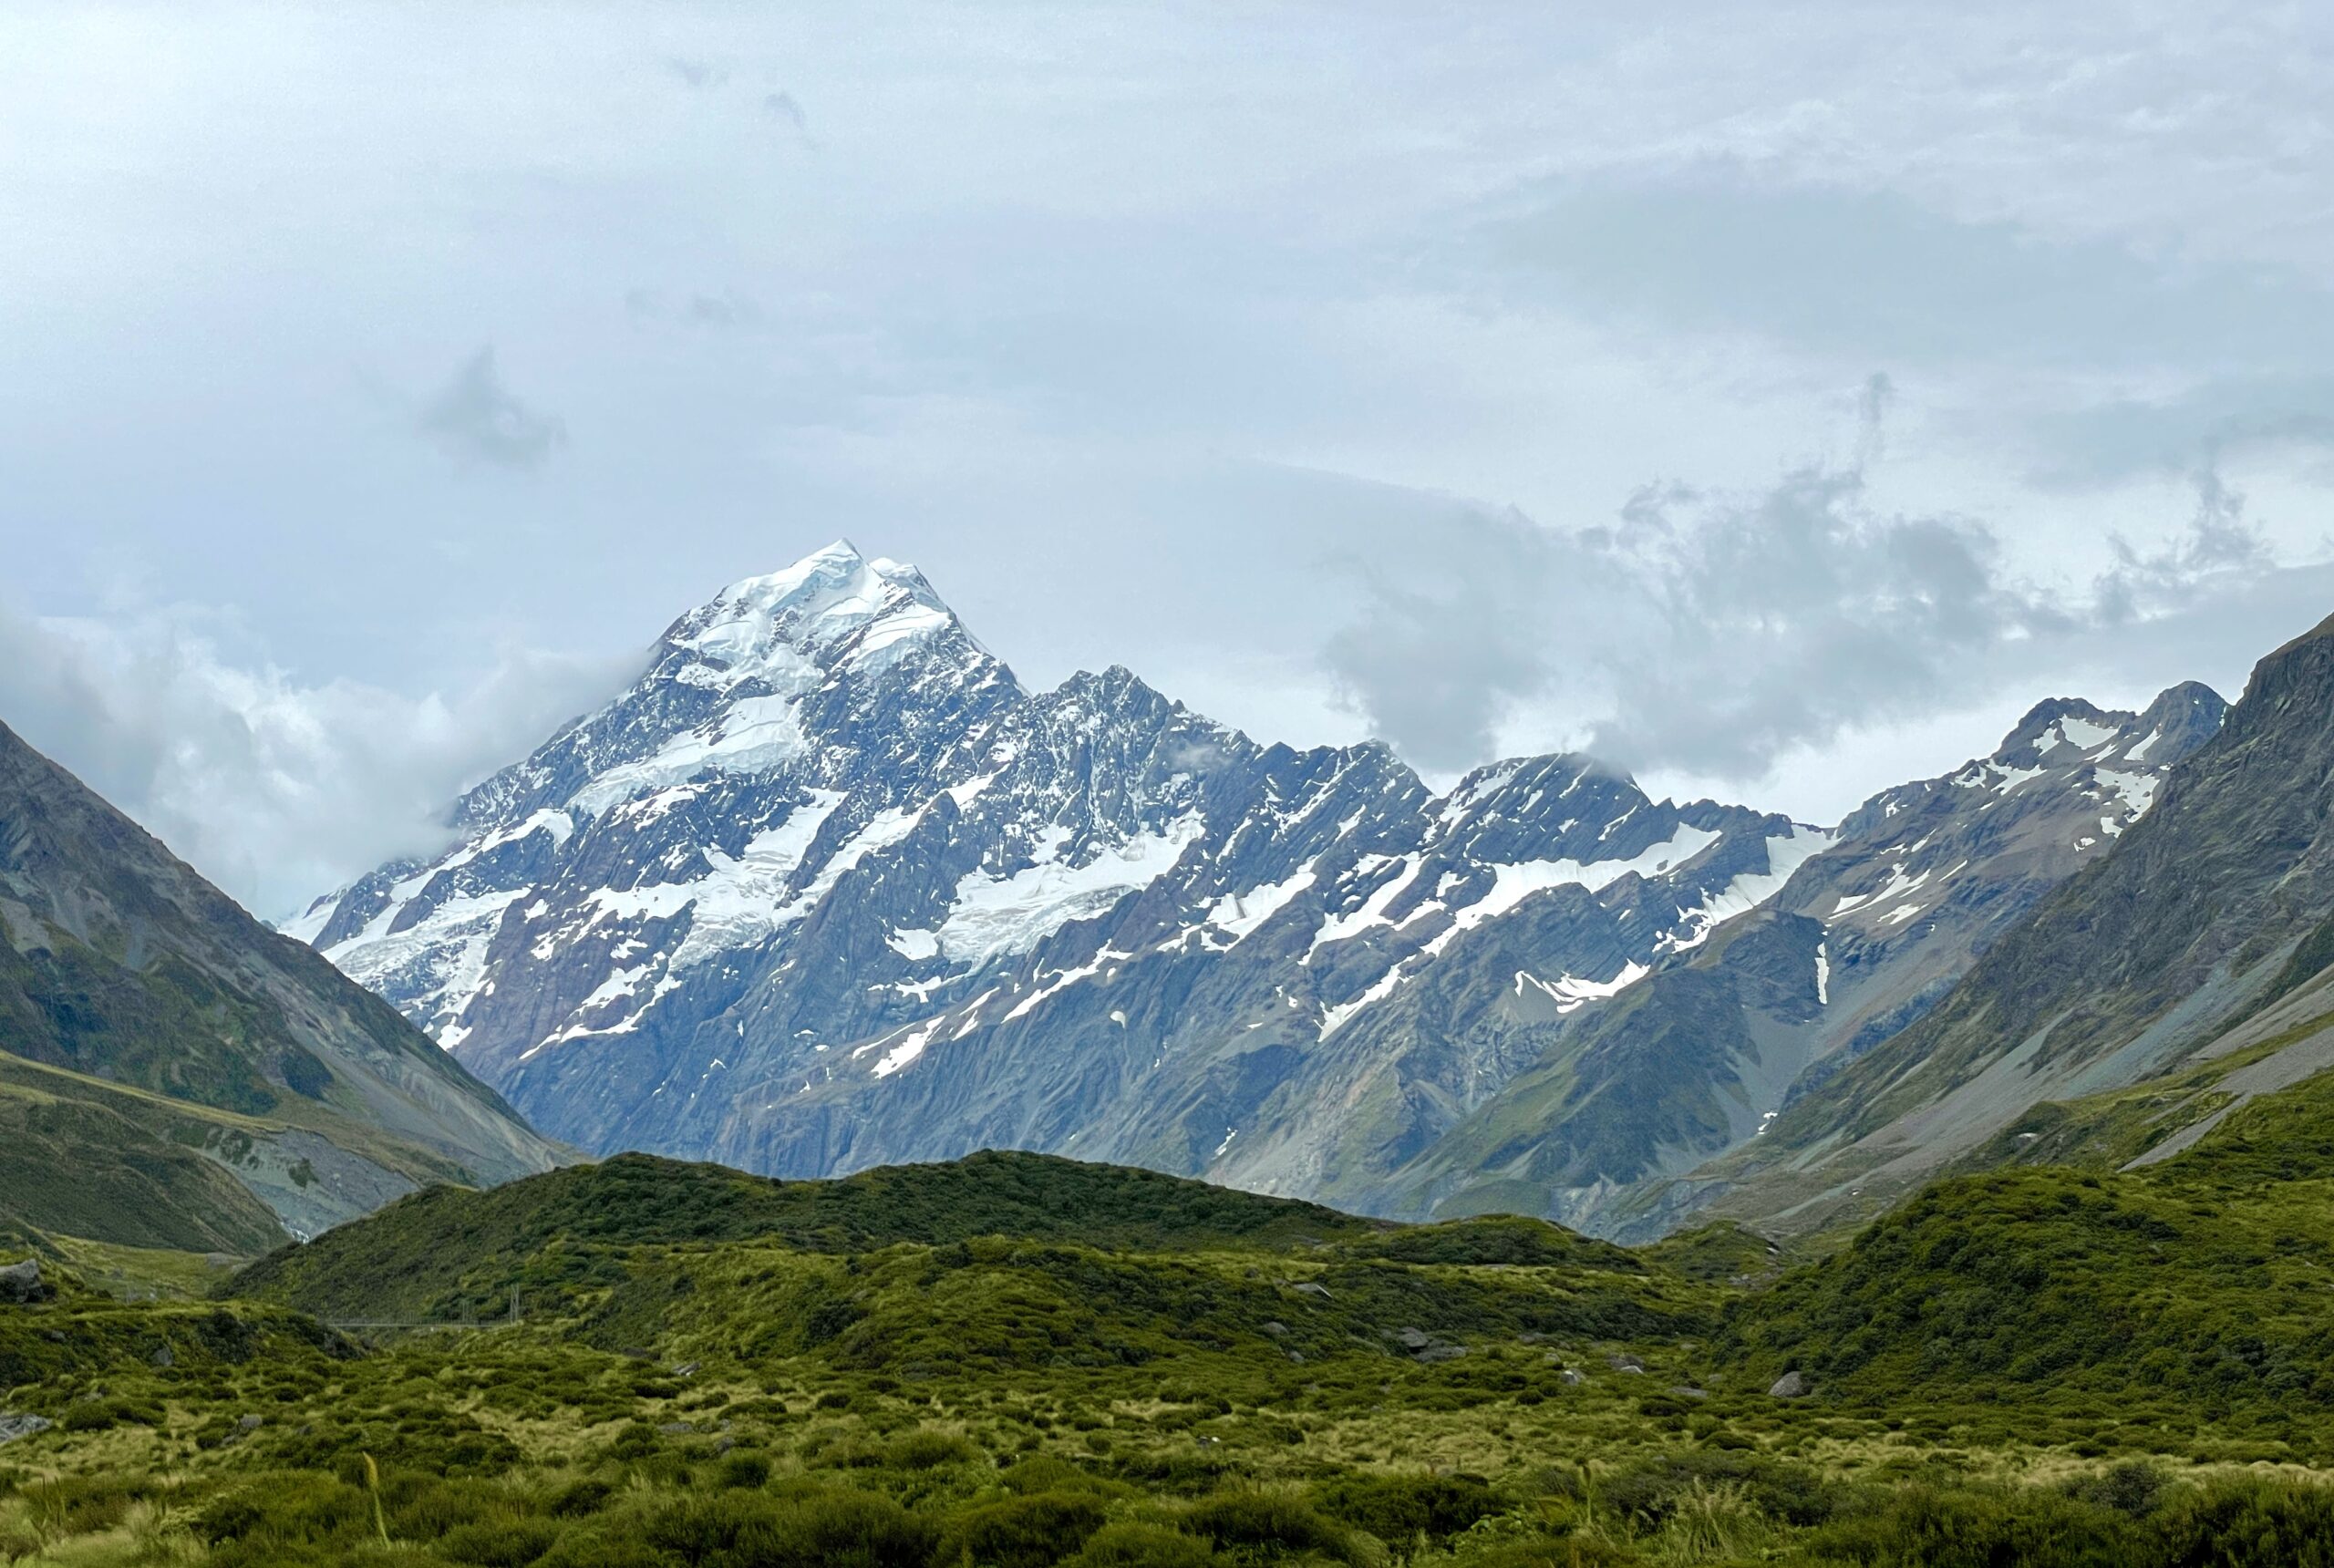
x=827 y=888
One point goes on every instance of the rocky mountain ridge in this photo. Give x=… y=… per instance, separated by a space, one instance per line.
x=153 y=1034
x=827 y=887
x=1863 y=940
x=2186 y=973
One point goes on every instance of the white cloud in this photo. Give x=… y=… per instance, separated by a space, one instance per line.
x=1129 y=324
x=272 y=788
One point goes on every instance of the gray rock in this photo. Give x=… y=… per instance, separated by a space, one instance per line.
x=1308 y=1287
x=1685 y=1393
x=675 y=1429
x=162 y=1357
x=250 y=1424
x=688 y=1368
x=1278 y=1330
x=14 y=1426
x=21 y=1282
x=1434 y=1352
x=1085 y=770
x=1573 y=1377
x=1790 y=1386
x=1414 y=1339
x=1624 y=1362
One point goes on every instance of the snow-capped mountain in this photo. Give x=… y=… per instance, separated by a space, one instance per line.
x=1865 y=938
x=828 y=887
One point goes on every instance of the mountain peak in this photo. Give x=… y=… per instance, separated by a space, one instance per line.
x=762 y=627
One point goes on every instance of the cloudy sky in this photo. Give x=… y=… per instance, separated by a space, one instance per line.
x=1776 y=400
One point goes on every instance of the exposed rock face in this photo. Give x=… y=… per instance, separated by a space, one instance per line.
x=1865 y=937
x=119 y=964
x=2208 y=931
x=827 y=888
x=1790 y=1386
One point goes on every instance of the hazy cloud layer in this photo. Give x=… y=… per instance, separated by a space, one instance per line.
x=1715 y=634
x=274 y=789
x=1289 y=354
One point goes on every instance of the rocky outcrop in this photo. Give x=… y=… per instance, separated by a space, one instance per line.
x=14 y=1426
x=1699 y=1057
x=21 y=1284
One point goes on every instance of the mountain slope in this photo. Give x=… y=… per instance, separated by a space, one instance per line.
x=827 y=888
x=145 y=1018
x=2197 y=1281
x=1864 y=937
x=2193 y=950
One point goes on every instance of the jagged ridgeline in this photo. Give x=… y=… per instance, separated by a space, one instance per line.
x=175 y=1075
x=2185 y=973
x=828 y=887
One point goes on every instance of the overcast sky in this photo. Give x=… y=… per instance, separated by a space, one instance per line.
x=1778 y=400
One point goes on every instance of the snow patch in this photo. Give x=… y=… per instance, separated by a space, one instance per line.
x=992 y=917
x=1786 y=852
x=915 y=946
x=2138 y=790
x=1570 y=992
x=1240 y=916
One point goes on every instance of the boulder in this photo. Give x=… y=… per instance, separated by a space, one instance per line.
x=1414 y=1339
x=1790 y=1386
x=12 y=1425
x=21 y=1282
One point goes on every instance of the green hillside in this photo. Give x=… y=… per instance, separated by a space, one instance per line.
x=2190 y=1293
x=155 y=1038
x=87 y=1159
x=451 y=1252
x=1022 y=1362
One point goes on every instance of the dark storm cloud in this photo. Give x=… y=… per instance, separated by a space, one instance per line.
x=476 y=419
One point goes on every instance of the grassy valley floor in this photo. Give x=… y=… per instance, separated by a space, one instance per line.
x=1022 y=1362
